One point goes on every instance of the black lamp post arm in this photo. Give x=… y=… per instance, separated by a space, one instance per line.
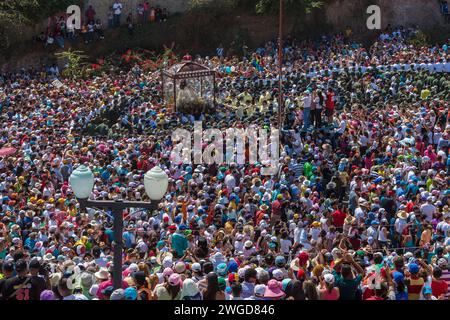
x=117 y=207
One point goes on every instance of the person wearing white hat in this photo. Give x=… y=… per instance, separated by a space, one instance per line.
x=249 y=248
x=327 y=290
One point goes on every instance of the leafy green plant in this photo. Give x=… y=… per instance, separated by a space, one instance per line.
x=75 y=63
x=420 y=39
x=298 y=6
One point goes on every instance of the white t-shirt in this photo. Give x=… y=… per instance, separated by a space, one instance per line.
x=285 y=245
x=307 y=102
x=400 y=225
x=117 y=7
x=443 y=226
x=230 y=181
x=428 y=210
x=359 y=214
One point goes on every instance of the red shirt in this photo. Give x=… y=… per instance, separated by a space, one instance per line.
x=276 y=207
x=330 y=101
x=368 y=294
x=338 y=218
x=439 y=287
x=90 y=14
x=259 y=215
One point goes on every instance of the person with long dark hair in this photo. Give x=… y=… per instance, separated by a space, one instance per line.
x=310 y=290
x=212 y=291
x=294 y=290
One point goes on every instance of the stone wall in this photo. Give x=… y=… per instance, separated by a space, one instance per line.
x=425 y=13
x=338 y=13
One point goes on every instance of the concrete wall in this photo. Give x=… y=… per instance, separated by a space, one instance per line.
x=425 y=13
x=338 y=13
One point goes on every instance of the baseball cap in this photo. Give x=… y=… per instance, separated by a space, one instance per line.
x=278 y=274
x=174 y=279
x=413 y=268
x=117 y=294
x=398 y=276
x=442 y=263
x=259 y=290
x=280 y=261
x=130 y=293
x=222 y=269
x=427 y=290
x=196 y=267
x=329 y=278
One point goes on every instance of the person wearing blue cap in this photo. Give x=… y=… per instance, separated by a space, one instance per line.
x=222 y=269
x=415 y=281
x=130 y=293
x=280 y=261
x=427 y=293
x=400 y=287
x=232 y=266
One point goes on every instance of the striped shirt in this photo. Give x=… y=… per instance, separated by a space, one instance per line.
x=414 y=288
x=297 y=168
x=446 y=277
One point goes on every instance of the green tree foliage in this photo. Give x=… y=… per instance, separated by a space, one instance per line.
x=297 y=6
x=75 y=63
x=419 y=40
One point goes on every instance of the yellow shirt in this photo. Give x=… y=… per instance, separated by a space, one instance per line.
x=425 y=94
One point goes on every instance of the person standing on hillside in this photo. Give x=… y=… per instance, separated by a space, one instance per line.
x=140 y=14
x=90 y=14
x=117 y=8
x=146 y=6
x=110 y=18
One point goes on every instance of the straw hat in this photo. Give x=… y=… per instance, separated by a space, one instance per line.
x=402 y=214
x=102 y=274
x=162 y=255
x=350 y=219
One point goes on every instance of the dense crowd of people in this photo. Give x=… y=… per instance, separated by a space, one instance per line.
x=358 y=208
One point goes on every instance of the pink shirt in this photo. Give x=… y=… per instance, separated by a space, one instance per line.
x=105 y=284
x=326 y=295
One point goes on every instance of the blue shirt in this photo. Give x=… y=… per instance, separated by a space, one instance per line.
x=179 y=244
x=248 y=289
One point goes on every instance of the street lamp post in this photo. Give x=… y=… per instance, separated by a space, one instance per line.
x=280 y=69
x=155 y=183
